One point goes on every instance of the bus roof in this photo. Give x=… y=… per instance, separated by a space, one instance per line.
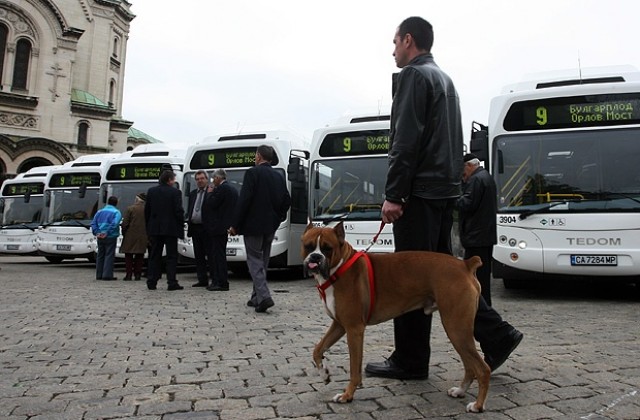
x=573 y=77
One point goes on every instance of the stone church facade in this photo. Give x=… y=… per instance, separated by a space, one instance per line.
x=62 y=68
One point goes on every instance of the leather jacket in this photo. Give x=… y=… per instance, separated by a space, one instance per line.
x=477 y=210
x=425 y=146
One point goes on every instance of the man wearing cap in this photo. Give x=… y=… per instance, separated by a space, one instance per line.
x=134 y=241
x=477 y=210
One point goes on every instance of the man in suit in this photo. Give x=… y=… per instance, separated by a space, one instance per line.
x=164 y=216
x=262 y=206
x=219 y=205
x=196 y=229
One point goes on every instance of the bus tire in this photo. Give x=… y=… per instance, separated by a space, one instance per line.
x=54 y=260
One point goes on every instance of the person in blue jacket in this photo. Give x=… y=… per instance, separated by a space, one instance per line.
x=106 y=227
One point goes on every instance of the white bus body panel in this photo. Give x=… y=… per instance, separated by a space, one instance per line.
x=551 y=240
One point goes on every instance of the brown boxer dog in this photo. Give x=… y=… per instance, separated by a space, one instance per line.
x=373 y=288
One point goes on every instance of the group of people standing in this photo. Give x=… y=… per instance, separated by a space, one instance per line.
x=155 y=222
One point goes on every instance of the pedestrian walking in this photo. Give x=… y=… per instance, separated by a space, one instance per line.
x=477 y=208
x=423 y=184
x=263 y=204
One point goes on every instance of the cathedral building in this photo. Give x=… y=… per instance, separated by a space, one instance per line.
x=62 y=68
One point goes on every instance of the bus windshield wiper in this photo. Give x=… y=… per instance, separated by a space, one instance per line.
x=542 y=209
x=79 y=223
x=609 y=196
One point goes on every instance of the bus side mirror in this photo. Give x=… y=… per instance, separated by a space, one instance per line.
x=82 y=191
x=479 y=143
x=47 y=198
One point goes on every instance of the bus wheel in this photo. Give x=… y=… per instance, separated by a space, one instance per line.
x=513 y=283
x=54 y=260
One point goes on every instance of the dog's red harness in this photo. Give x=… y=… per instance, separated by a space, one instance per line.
x=343 y=268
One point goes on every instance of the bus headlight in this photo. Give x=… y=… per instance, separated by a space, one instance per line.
x=513 y=256
x=522 y=244
x=512 y=242
x=503 y=239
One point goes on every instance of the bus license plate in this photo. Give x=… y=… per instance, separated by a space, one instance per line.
x=231 y=252
x=63 y=247
x=13 y=247
x=594 y=260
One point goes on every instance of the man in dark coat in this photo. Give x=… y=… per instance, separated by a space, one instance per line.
x=477 y=209
x=196 y=229
x=164 y=216
x=217 y=211
x=262 y=206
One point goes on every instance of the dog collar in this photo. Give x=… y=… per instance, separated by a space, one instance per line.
x=342 y=269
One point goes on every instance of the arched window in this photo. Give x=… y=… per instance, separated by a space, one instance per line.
x=83 y=133
x=21 y=67
x=3 y=47
x=115 y=47
x=112 y=93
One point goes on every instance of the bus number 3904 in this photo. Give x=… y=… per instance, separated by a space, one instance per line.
x=507 y=219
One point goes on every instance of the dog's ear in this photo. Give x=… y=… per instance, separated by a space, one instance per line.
x=339 y=231
x=309 y=226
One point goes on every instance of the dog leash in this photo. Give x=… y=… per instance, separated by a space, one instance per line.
x=343 y=268
x=375 y=238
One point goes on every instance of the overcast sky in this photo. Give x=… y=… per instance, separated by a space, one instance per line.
x=196 y=68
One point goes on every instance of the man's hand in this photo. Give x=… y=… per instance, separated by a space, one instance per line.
x=231 y=231
x=391 y=211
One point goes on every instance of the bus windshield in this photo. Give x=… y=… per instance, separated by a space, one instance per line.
x=583 y=171
x=126 y=191
x=17 y=212
x=348 y=188
x=68 y=207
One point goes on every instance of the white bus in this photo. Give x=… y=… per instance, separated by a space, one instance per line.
x=236 y=153
x=71 y=198
x=347 y=175
x=135 y=172
x=564 y=153
x=21 y=204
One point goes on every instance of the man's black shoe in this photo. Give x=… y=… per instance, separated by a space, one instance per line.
x=389 y=369
x=213 y=288
x=175 y=287
x=126 y=278
x=109 y=278
x=251 y=303
x=198 y=284
x=264 y=305
x=137 y=278
x=151 y=286
x=501 y=353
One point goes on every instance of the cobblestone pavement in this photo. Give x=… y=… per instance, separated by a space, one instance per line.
x=75 y=348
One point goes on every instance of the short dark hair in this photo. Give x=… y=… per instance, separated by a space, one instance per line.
x=421 y=31
x=113 y=200
x=167 y=176
x=201 y=171
x=266 y=152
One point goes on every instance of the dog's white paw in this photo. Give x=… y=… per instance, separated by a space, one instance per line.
x=338 y=398
x=456 y=392
x=324 y=372
x=471 y=408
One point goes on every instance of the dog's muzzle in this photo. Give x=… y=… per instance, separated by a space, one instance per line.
x=316 y=263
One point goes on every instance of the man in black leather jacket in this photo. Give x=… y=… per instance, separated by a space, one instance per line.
x=423 y=184
x=477 y=210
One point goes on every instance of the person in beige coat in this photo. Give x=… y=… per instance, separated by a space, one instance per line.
x=135 y=241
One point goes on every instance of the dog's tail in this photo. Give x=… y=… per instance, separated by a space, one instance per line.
x=473 y=263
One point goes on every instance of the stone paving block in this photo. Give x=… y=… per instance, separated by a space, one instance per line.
x=533 y=412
